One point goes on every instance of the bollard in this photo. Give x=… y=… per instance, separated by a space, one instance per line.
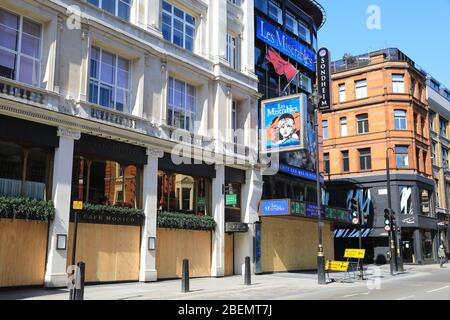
x=185 y=276
x=79 y=293
x=247 y=274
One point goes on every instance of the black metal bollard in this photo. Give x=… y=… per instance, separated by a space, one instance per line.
x=247 y=274
x=185 y=276
x=79 y=293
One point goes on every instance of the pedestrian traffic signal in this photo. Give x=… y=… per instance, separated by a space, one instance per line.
x=387 y=220
x=354 y=206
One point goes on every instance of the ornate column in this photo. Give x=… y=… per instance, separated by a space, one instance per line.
x=149 y=204
x=55 y=274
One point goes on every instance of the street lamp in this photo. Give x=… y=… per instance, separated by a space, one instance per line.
x=315 y=99
x=397 y=231
x=447 y=203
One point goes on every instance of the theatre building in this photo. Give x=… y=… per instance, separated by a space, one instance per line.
x=137 y=120
x=286 y=237
x=380 y=111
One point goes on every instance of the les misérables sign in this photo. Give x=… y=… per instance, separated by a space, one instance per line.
x=283 y=123
x=324 y=78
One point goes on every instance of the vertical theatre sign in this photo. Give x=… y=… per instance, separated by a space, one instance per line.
x=324 y=78
x=283 y=123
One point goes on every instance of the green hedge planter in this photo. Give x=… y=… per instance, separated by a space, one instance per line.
x=102 y=209
x=185 y=221
x=26 y=208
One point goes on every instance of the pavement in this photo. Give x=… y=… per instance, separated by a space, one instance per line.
x=416 y=282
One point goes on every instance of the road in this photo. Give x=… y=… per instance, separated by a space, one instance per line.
x=417 y=283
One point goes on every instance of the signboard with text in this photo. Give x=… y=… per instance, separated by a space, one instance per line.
x=324 y=78
x=354 y=253
x=283 y=123
x=279 y=40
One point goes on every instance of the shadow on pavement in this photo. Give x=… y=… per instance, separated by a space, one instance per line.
x=29 y=292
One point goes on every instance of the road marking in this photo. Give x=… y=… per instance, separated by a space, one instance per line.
x=355 y=294
x=404 y=298
x=430 y=291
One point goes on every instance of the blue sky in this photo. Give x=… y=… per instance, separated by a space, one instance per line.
x=421 y=29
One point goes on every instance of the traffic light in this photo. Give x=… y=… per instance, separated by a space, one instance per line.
x=355 y=210
x=387 y=220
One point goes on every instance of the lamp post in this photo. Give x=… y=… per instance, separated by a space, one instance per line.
x=397 y=231
x=315 y=99
x=447 y=204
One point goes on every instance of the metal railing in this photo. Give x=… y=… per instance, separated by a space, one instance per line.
x=355 y=62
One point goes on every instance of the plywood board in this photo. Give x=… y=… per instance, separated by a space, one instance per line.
x=23 y=247
x=174 y=245
x=111 y=252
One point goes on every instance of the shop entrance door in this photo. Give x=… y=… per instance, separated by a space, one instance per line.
x=229 y=254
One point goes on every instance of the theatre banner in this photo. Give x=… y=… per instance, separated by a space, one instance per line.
x=283 y=123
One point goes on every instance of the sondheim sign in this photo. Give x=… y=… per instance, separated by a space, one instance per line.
x=284 y=43
x=324 y=78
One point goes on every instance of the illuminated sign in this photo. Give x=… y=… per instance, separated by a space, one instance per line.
x=284 y=43
x=275 y=207
x=324 y=78
x=283 y=123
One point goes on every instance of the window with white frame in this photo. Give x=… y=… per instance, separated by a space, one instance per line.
x=291 y=23
x=20 y=48
x=401 y=156
x=178 y=27
x=400 y=119
x=343 y=122
x=181 y=105
x=398 y=83
x=232 y=54
x=342 y=94
x=325 y=129
x=274 y=11
x=361 y=89
x=119 y=8
x=109 y=80
x=303 y=31
x=362 y=123
x=235 y=2
x=234 y=120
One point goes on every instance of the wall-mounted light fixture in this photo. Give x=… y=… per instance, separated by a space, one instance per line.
x=151 y=243
x=61 y=242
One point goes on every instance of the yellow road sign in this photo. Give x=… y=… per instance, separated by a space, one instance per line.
x=336 y=265
x=77 y=205
x=354 y=253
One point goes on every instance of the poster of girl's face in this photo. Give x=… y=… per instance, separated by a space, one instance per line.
x=283 y=122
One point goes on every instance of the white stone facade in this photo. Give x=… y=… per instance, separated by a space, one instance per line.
x=70 y=28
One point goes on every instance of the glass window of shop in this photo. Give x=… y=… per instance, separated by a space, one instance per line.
x=425 y=202
x=105 y=182
x=232 y=202
x=282 y=188
x=184 y=193
x=24 y=170
x=427 y=244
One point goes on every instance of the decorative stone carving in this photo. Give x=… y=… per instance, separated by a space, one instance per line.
x=153 y=152
x=69 y=133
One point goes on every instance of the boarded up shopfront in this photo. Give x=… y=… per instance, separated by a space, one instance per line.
x=111 y=252
x=23 y=246
x=174 y=245
x=290 y=243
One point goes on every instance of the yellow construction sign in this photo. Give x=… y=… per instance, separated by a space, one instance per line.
x=336 y=265
x=354 y=253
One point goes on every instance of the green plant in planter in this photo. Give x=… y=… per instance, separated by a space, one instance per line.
x=26 y=208
x=103 y=209
x=185 y=221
